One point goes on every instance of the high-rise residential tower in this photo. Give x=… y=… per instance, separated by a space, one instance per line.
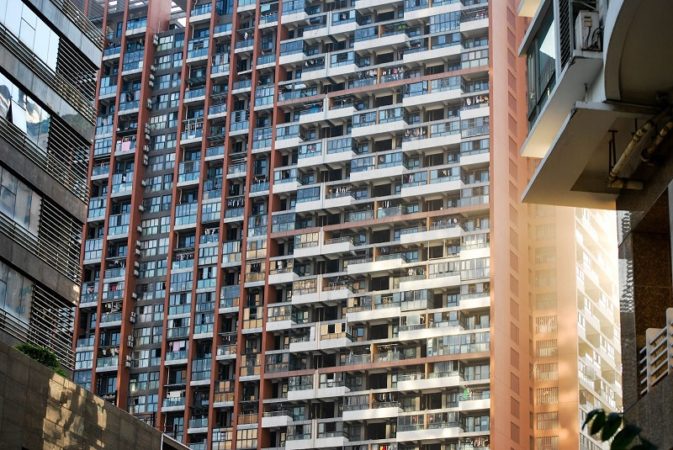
x=49 y=57
x=292 y=240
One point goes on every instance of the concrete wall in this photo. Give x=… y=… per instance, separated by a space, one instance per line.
x=42 y=410
x=654 y=414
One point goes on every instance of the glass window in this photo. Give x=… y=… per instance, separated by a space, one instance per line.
x=19 y=202
x=17 y=107
x=16 y=293
x=33 y=32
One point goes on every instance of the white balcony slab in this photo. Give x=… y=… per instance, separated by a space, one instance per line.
x=430 y=235
x=314 y=74
x=432 y=97
x=308 y=206
x=475 y=404
x=339 y=156
x=386 y=172
x=337 y=247
x=430 y=283
x=431 y=433
x=316 y=33
x=373 y=314
x=380 y=128
x=276 y=421
x=373 y=413
x=335 y=294
x=427 y=333
x=369 y=4
x=292 y=58
x=303 y=394
x=428 y=383
x=376 y=266
x=298 y=16
x=301 y=299
x=476 y=302
x=484 y=252
x=275 y=325
x=288 y=143
x=473 y=25
x=310 y=161
x=345 y=69
x=300 y=444
x=395 y=40
x=477 y=158
x=305 y=252
x=331 y=442
x=432 y=11
x=304 y=346
x=335 y=391
x=342 y=28
x=281 y=278
x=325 y=344
x=431 y=188
x=199 y=17
x=289 y=186
x=471 y=113
x=431 y=142
x=433 y=53
x=338 y=202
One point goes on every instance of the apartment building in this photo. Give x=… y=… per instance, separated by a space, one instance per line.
x=49 y=58
x=599 y=119
x=305 y=229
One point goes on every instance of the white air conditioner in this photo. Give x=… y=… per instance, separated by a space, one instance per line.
x=132 y=317
x=588 y=35
x=130 y=341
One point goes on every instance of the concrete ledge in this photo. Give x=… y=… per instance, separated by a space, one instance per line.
x=40 y=409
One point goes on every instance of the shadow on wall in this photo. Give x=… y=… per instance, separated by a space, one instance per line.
x=40 y=409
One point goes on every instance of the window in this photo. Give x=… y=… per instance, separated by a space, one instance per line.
x=31 y=30
x=541 y=66
x=16 y=293
x=20 y=109
x=19 y=202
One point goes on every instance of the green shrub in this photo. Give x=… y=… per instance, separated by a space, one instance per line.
x=42 y=355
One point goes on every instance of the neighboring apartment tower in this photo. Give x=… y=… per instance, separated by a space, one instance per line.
x=292 y=228
x=599 y=117
x=49 y=58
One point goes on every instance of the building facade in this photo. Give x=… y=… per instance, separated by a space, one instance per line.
x=599 y=122
x=49 y=59
x=305 y=228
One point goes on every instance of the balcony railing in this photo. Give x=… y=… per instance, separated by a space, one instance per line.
x=656 y=358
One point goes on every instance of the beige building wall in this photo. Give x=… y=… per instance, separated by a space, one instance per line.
x=42 y=410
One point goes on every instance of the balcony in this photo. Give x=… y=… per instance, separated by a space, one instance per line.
x=200 y=13
x=656 y=358
x=276 y=419
x=432 y=181
x=376 y=410
x=379 y=121
x=431 y=135
x=389 y=35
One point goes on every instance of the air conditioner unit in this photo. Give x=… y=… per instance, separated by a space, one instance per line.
x=134 y=296
x=146 y=160
x=588 y=32
x=149 y=103
x=150 y=83
x=146 y=148
x=130 y=341
x=141 y=208
x=151 y=77
x=143 y=183
x=136 y=264
x=138 y=252
x=139 y=229
x=153 y=68
x=155 y=39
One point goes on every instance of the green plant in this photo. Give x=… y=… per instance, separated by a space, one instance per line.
x=42 y=355
x=612 y=426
